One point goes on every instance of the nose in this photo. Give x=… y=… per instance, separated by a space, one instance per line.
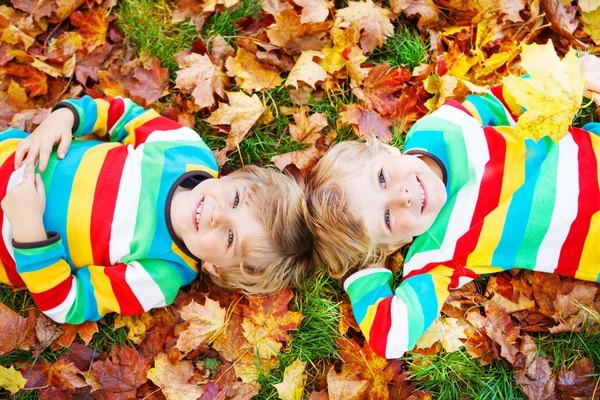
x=217 y=217
x=402 y=197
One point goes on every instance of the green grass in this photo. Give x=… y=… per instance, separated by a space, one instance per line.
x=20 y=301
x=404 y=48
x=569 y=347
x=224 y=23
x=451 y=376
x=315 y=340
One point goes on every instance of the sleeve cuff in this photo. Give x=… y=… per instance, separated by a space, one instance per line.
x=362 y=273
x=53 y=237
x=76 y=120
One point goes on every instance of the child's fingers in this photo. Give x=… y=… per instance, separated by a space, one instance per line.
x=43 y=158
x=28 y=174
x=22 y=149
x=63 y=147
x=32 y=155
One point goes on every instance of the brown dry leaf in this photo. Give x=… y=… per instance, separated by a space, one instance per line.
x=427 y=11
x=275 y=7
x=151 y=82
x=373 y=20
x=563 y=18
x=289 y=33
x=314 y=10
x=174 y=379
x=294 y=379
x=205 y=322
x=366 y=122
x=346 y=385
x=232 y=343
x=304 y=160
x=572 y=307
x=448 y=331
x=535 y=378
x=579 y=382
x=135 y=327
x=347 y=319
x=16 y=332
x=307 y=70
x=241 y=113
x=221 y=50
x=47 y=331
x=61 y=374
x=200 y=77
x=307 y=129
x=498 y=326
x=250 y=74
x=122 y=372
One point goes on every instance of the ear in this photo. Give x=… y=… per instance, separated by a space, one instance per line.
x=210 y=268
x=392 y=150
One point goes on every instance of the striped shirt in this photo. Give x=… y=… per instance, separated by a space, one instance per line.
x=512 y=203
x=111 y=246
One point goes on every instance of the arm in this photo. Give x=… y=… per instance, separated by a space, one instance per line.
x=392 y=322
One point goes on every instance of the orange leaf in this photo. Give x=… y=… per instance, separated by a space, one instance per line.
x=377 y=91
x=151 y=82
x=123 y=372
x=250 y=74
x=92 y=28
x=174 y=379
x=200 y=77
x=373 y=20
x=366 y=122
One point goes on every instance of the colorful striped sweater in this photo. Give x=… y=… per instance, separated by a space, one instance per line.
x=112 y=248
x=511 y=203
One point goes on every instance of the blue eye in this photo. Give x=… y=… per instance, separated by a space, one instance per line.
x=236 y=199
x=230 y=239
x=381 y=179
x=386 y=217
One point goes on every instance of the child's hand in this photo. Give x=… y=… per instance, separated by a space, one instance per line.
x=24 y=207
x=590 y=69
x=56 y=128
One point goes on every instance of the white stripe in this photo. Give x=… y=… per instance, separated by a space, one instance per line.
x=362 y=273
x=183 y=133
x=143 y=286
x=466 y=198
x=397 y=338
x=15 y=178
x=127 y=104
x=565 y=206
x=128 y=198
x=59 y=313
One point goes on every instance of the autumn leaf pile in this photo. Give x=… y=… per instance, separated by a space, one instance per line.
x=213 y=344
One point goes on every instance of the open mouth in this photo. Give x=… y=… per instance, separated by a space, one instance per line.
x=422 y=194
x=199 y=212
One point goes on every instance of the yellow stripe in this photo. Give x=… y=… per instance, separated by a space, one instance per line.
x=105 y=297
x=47 y=278
x=590 y=256
x=472 y=109
x=441 y=281
x=79 y=215
x=3 y=276
x=367 y=322
x=513 y=179
x=194 y=167
x=193 y=264
x=8 y=148
x=100 y=127
x=136 y=123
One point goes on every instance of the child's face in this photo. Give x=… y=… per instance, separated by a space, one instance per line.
x=396 y=196
x=214 y=219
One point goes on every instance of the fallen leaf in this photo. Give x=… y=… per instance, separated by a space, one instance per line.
x=205 y=322
x=200 y=77
x=122 y=372
x=448 y=331
x=377 y=90
x=241 y=113
x=92 y=28
x=347 y=319
x=11 y=380
x=294 y=379
x=250 y=74
x=16 y=332
x=535 y=378
x=314 y=10
x=553 y=94
x=366 y=122
x=174 y=379
x=304 y=160
x=307 y=70
x=47 y=331
x=373 y=20
x=345 y=385
x=307 y=129
x=61 y=374
x=136 y=329
x=151 y=82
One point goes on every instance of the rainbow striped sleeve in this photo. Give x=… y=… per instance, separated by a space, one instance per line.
x=121 y=120
x=392 y=322
x=89 y=293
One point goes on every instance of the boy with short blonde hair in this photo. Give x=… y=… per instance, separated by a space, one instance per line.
x=120 y=224
x=478 y=199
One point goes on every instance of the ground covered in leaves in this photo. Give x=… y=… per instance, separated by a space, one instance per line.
x=277 y=82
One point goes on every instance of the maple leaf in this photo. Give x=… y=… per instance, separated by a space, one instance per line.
x=92 y=28
x=123 y=372
x=427 y=11
x=553 y=94
x=571 y=307
x=307 y=129
x=47 y=332
x=373 y=20
x=535 y=378
x=497 y=326
x=304 y=160
x=366 y=122
x=174 y=379
x=578 y=382
x=250 y=73
x=294 y=379
x=231 y=342
x=135 y=327
x=11 y=380
x=221 y=50
x=86 y=332
x=378 y=89
x=16 y=332
x=347 y=319
x=61 y=374
x=151 y=82
x=307 y=70
x=591 y=24
x=200 y=77
x=275 y=7
x=33 y=79
x=80 y=355
x=241 y=113
x=505 y=297
x=314 y=10
x=346 y=385
x=563 y=19
x=205 y=322
x=447 y=331
x=289 y=33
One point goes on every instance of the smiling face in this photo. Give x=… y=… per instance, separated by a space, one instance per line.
x=396 y=196
x=215 y=221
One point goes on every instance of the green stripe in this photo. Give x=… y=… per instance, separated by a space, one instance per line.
x=76 y=314
x=542 y=208
x=165 y=277
x=414 y=313
x=368 y=283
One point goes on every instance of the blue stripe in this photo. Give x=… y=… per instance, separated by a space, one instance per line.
x=11 y=133
x=32 y=260
x=89 y=296
x=520 y=207
x=88 y=114
x=361 y=307
x=425 y=291
x=593 y=127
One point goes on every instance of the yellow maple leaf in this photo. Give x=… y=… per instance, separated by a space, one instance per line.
x=591 y=24
x=174 y=379
x=447 y=331
x=205 y=323
x=250 y=74
x=307 y=70
x=372 y=19
x=553 y=94
x=294 y=379
x=11 y=380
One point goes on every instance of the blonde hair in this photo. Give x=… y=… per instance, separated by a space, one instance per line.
x=287 y=255
x=341 y=239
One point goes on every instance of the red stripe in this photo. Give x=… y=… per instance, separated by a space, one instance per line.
x=53 y=297
x=156 y=124
x=105 y=199
x=115 y=111
x=127 y=300
x=497 y=91
x=456 y=104
x=489 y=194
x=7 y=260
x=381 y=326
x=588 y=203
